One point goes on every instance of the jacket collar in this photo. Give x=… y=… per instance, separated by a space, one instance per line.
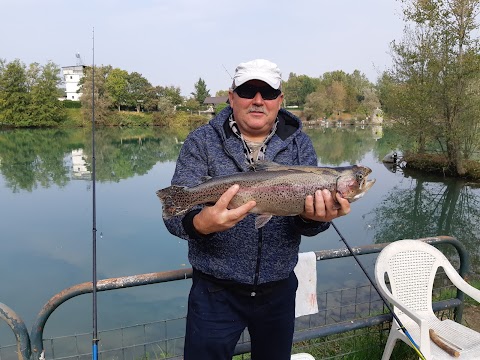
x=288 y=126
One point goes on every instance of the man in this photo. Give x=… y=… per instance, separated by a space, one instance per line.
x=243 y=277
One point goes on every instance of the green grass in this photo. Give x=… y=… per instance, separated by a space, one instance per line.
x=74 y=118
x=359 y=344
x=451 y=292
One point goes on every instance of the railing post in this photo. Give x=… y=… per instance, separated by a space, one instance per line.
x=19 y=330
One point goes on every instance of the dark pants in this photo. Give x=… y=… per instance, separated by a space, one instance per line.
x=218 y=314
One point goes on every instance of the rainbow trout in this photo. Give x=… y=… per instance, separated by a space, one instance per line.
x=277 y=189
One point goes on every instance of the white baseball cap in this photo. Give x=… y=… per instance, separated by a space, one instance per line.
x=258 y=69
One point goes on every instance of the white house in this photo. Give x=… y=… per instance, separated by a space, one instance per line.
x=72 y=76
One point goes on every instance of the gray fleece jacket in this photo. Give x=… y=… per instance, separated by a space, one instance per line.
x=242 y=253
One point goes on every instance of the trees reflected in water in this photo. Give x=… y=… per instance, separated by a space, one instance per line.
x=344 y=144
x=33 y=158
x=422 y=206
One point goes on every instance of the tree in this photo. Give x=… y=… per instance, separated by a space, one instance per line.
x=318 y=104
x=369 y=102
x=166 y=113
x=192 y=104
x=14 y=95
x=201 y=92
x=410 y=97
x=117 y=86
x=297 y=88
x=29 y=97
x=307 y=86
x=436 y=67
x=221 y=93
x=174 y=95
x=139 y=90
x=103 y=102
x=45 y=109
x=291 y=90
x=358 y=87
x=337 y=94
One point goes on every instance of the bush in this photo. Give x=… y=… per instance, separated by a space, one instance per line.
x=220 y=107
x=163 y=119
x=70 y=104
x=195 y=121
x=122 y=118
x=75 y=118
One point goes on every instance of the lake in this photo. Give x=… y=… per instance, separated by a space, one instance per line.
x=46 y=219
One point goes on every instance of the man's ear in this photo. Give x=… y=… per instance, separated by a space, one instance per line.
x=230 y=98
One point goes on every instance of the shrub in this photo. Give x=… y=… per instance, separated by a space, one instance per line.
x=70 y=104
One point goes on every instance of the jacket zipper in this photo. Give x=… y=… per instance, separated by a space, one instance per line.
x=259 y=258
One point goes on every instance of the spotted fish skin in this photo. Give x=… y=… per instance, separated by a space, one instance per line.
x=277 y=189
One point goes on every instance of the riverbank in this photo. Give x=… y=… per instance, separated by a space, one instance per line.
x=438 y=164
x=179 y=119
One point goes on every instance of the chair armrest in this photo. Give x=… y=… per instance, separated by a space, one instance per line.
x=412 y=314
x=461 y=284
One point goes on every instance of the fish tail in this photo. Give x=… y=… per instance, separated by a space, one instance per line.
x=176 y=200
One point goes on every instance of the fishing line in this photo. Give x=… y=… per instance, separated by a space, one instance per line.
x=227 y=72
x=402 y=327
x=94 y=212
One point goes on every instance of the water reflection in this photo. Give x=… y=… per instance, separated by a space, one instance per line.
x=340 y=145
x=423 y=206
x=79 y=165
x=33 y=158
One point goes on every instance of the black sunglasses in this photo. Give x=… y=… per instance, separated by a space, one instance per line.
x=247 y=91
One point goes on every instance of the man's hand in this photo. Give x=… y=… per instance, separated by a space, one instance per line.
x=218 y=217
x=322 y=207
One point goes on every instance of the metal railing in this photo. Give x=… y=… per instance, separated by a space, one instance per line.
x=32 y=346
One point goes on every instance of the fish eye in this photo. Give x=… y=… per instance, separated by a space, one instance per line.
x=359 y=176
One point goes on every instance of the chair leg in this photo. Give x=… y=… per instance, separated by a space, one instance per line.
x=391 y=341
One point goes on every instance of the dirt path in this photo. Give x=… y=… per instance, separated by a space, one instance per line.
x=471 y=317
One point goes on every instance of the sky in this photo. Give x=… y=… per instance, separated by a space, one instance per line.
x=176 y=42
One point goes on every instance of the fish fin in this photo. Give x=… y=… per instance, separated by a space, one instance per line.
x=175 y=200
x=261 y=220
x=264 y=165
x=205 y=178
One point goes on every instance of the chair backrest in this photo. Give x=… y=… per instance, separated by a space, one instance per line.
x=411 y=266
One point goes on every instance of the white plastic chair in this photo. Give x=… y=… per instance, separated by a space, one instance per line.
x=411 y=266
x=302 y=356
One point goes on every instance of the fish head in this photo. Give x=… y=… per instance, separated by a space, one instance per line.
x=354 y=183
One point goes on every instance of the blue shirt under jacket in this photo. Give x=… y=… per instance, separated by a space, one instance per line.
x=238 y=253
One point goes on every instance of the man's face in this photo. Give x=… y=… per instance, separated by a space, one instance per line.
x=254 y=117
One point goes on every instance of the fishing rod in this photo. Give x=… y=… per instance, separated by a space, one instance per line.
x=94 y=212
x=402 y=327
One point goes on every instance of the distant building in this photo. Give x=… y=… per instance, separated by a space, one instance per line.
x=215 y=100
x=72 y=76
x=212 y=101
